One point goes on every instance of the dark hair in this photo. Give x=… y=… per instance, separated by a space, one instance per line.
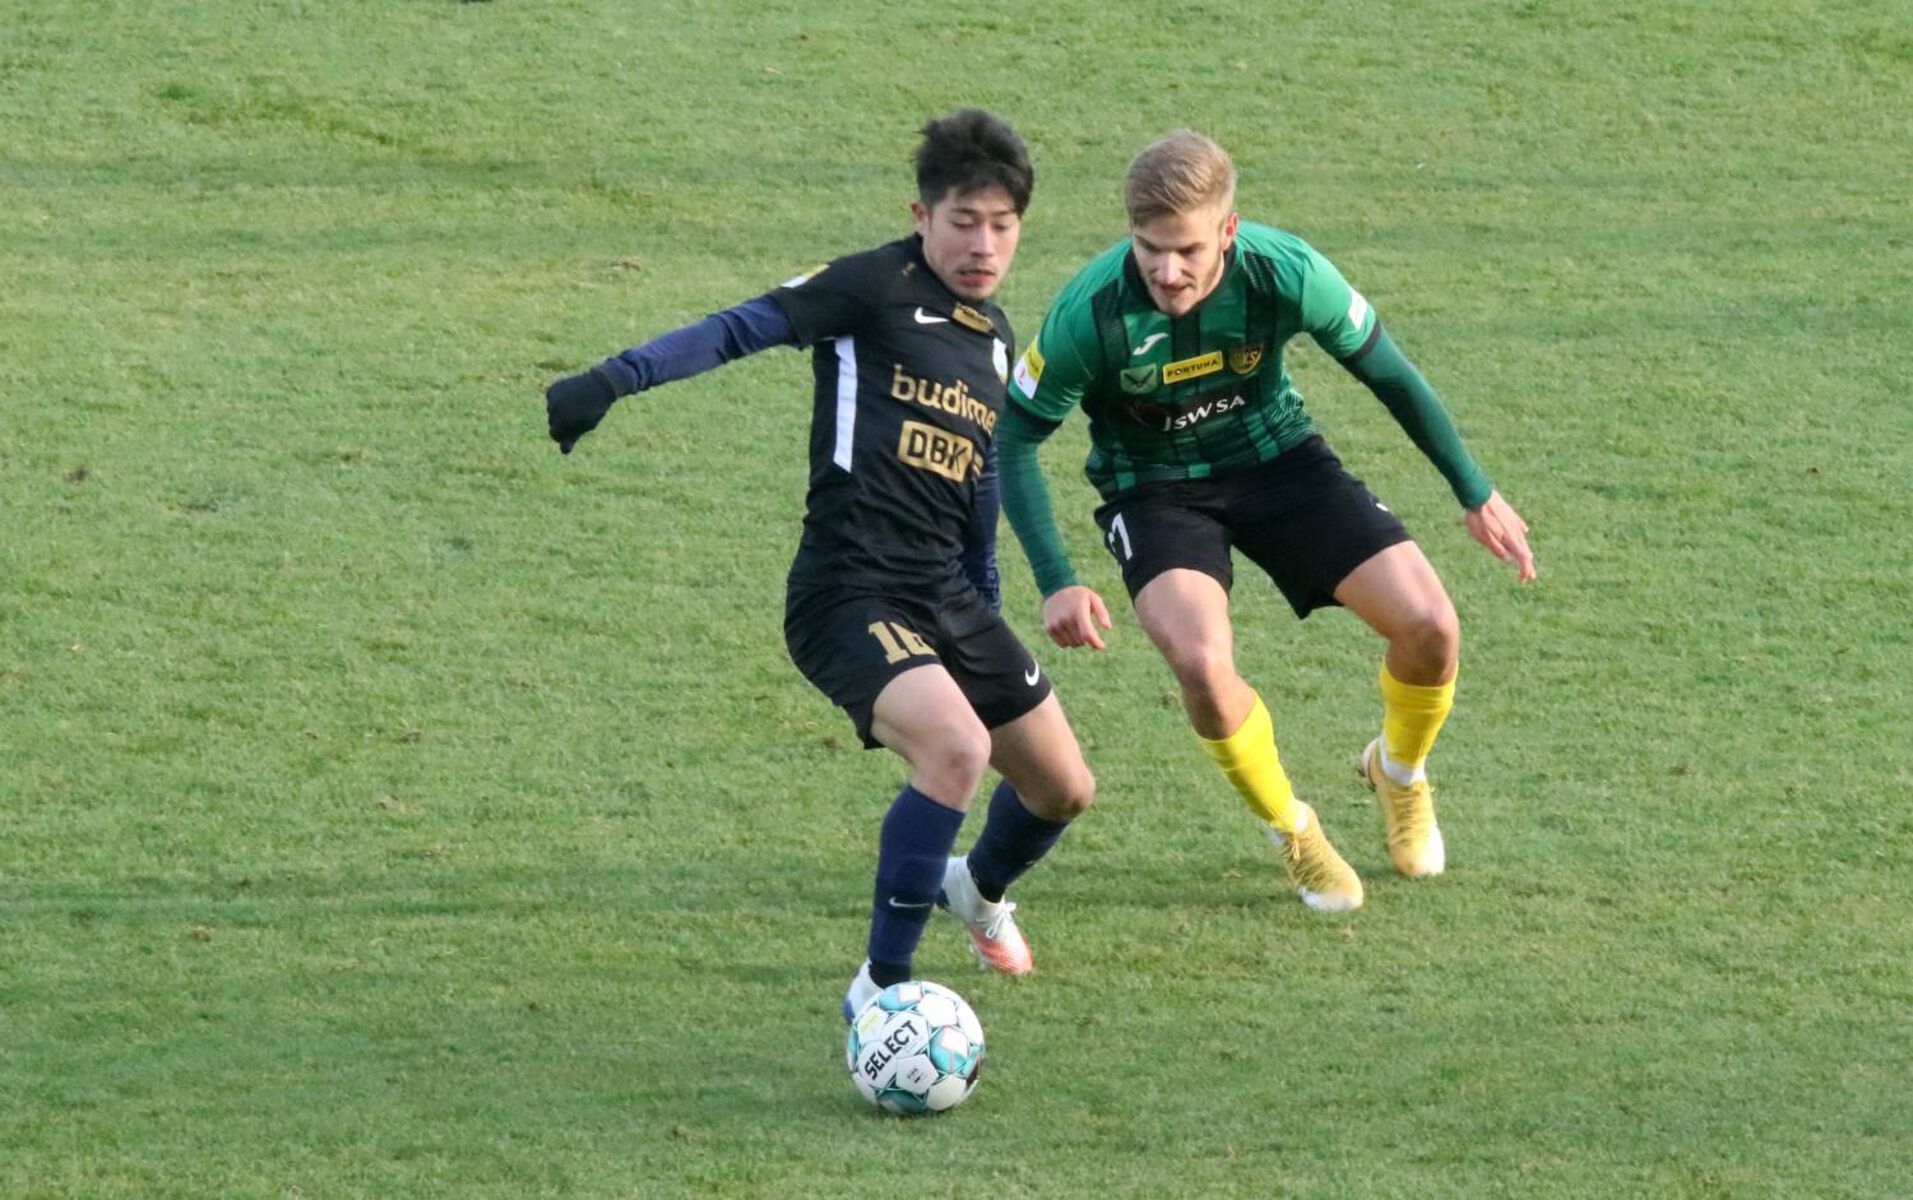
x=969 y=150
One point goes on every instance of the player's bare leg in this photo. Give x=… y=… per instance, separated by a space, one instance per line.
x=1046 y=785
x=922 y=716
x=1399 y=595
x=1038 y=754
x=1186 y=614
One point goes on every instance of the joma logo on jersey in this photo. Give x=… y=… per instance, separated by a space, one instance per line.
x=953 y=398
x=938 y=451
x=1164 y=419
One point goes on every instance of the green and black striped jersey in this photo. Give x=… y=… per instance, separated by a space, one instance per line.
x=1196 y=396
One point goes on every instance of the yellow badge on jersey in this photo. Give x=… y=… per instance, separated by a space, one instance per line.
x=1243 y=360
x=1193 y=368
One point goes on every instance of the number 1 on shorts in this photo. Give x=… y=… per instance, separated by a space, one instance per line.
x=1119 y=530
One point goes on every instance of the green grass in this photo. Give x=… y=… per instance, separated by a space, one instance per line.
x=389 y=807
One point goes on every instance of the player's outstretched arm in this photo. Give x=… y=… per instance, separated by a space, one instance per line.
x=1072 y=613
x=575 y=404
x=1499 y=527
x=1400 y=387
x=1386 y=372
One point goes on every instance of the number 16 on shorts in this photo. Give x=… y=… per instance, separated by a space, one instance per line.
x=899 y=641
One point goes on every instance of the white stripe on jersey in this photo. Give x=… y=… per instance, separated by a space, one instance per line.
x=846 y=400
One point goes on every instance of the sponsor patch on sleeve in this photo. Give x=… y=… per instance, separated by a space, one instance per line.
x=1029 y=369
x=1357 y=308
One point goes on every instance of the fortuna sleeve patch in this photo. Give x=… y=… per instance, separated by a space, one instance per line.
x=1029 y=370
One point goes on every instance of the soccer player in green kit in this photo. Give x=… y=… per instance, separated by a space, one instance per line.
x=1171 y=342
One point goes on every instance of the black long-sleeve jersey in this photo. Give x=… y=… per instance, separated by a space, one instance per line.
x=910 y=380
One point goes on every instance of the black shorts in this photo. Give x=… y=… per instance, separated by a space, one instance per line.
x=1301 y=517
x=850 y=643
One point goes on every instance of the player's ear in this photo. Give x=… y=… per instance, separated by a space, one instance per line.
x=920 y=213
x=1229 y=224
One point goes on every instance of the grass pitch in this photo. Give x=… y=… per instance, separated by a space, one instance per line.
x=390 y=808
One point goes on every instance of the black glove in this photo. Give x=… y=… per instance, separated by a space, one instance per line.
x=575 y=404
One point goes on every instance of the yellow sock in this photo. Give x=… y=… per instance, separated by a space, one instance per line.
x=1248 y=758
x=1411 y=717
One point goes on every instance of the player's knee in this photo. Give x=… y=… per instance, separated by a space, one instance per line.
x=1203 y=669
x=1077 y=798
x=957 y=760
x=1432 y=635
x=1070 y=796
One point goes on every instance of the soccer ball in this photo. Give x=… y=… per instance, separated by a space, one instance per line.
x=916 y=1048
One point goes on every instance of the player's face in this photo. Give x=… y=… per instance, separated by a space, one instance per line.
x=969 y=239
x=1181 y=255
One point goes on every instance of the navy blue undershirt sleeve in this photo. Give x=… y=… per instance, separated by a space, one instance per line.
x=719 y=338
x=979 y=545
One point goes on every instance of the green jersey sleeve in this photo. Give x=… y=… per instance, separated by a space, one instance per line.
x=1054 y=372
x=1342 y=322
x=1336 y=315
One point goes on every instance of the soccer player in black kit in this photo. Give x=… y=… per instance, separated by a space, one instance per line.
x=883 y=611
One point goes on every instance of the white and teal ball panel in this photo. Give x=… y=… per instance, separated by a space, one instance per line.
x=917 y=1047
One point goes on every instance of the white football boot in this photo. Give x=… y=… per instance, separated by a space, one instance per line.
x=992 y=927
x=863 y=989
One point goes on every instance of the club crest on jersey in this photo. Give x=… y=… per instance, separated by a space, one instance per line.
x=1244 y=359
x=1140 y=381
x=1193 y=368
x=969 y=318
x=1000 y=359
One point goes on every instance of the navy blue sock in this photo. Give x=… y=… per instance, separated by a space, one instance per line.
x=918 y=834
x=1013 y=838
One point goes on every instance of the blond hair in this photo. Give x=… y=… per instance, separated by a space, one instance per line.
x=1177 y=174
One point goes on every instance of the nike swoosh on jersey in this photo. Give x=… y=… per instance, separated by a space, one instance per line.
x=924 y=318
x=1032 y=675
x=1147 y=342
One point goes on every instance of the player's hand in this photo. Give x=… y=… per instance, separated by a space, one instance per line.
x=1499 y=527
x=575 y=404
x=1071 y=616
